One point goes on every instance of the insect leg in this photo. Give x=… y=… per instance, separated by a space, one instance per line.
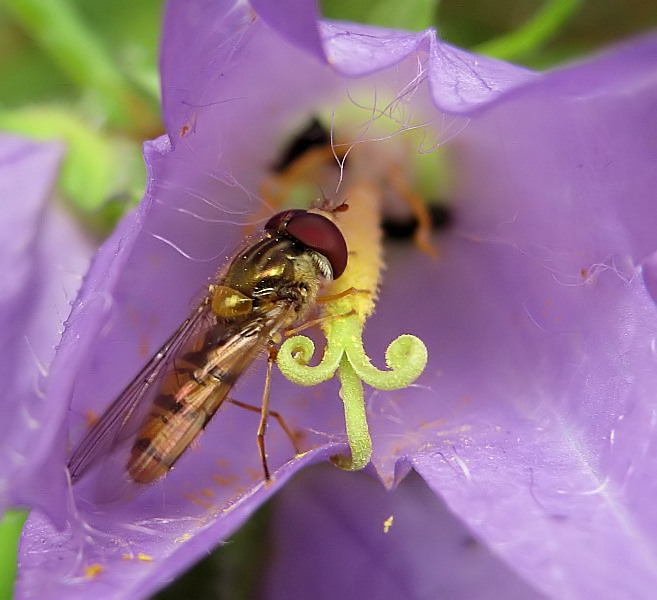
x=400 y=184
x=318 y=321
x=264 y=411
x=274 y=414
x=343 y=294
x=326 y=299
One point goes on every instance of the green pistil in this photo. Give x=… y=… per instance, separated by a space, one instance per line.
x=406 y=358
x=358 y=434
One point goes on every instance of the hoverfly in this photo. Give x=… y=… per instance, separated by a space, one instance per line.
x=270 y=284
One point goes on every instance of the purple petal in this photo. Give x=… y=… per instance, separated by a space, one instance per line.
x=295 y=20
x=134 y=559
x=43 y=257
x=460 y=82
x=537 y=425
x=330 y=541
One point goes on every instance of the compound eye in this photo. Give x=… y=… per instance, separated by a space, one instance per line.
x=319 y=234
x=279 y=220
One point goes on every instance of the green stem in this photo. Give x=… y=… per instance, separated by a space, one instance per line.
x=63 y=35
x=11 y=527
x=543 y=26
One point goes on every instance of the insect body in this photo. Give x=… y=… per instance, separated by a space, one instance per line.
x=270 y=284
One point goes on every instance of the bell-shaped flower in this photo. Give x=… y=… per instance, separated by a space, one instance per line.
x=534 y=419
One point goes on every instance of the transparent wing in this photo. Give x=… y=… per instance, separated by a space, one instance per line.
x=196 y=389
x=102 y=436
x=175 y=420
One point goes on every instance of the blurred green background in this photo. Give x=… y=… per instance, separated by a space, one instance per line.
x=129 y=32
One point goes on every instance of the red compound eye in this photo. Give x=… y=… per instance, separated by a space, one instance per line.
x=279 y=221
x=316 y=232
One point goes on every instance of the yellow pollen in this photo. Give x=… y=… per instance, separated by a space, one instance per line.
x=91 y=571
x=360 y=227
x=387 y=524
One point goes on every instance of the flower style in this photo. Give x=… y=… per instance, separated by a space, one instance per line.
x=534 y=421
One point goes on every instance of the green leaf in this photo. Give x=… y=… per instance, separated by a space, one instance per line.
x=414 y=15
x=76 y=50
x=96 y=167
x=11 y=527
x=543 y=26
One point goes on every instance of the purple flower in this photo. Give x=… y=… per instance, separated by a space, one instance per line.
x=43 y=258
x=534 y=420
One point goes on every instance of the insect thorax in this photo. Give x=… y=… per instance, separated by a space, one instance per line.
x=273 y=270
